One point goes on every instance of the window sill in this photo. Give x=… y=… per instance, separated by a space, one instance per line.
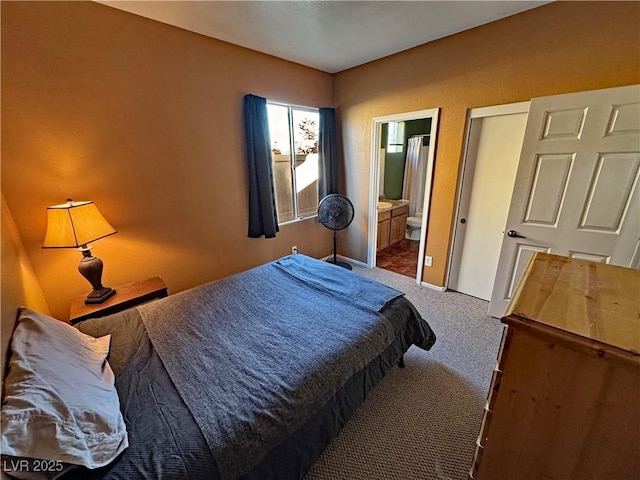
x=296 y=220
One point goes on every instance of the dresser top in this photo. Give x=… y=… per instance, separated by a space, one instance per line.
x=593 y=300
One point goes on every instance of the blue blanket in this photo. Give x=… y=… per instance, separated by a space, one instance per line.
x=256 y=354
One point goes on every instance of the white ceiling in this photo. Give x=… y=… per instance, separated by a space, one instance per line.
x=328 y=35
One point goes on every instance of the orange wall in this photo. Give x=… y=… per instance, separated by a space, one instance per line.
x=19 y=284
x=558 y=48
x=146 y=120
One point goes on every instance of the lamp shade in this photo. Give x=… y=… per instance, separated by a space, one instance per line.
x=74 y=224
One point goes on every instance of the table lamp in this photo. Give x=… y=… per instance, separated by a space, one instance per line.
x=74 y=225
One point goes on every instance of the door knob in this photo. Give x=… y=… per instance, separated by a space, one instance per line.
x=514 y=234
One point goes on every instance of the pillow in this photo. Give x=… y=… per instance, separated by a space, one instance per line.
x=60 y=401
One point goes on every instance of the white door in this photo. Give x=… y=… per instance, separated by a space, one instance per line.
x=493 y=151
x=576 y=188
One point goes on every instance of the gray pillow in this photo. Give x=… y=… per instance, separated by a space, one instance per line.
x=60 y=401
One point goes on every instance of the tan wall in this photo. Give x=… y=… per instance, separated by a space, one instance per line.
x=146 y=120
x=558 y=48
x=18 y=283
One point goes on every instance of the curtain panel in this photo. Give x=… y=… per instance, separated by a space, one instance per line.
x=263 y=218
x=327 y=153
x=415 y=170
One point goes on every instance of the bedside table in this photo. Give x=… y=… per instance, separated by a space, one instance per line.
x=126 y=296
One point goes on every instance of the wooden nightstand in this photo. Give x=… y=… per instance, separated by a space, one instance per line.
x=126 y=296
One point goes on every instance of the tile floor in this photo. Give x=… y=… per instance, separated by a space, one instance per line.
x=401 y=258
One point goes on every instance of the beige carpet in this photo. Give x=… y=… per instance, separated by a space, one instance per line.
x=421 y=422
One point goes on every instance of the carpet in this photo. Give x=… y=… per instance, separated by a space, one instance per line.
x=422 y=422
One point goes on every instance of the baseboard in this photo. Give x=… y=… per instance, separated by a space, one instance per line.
x=347 y=259
x=433 y=287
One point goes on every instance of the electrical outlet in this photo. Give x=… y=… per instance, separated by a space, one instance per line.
x=294 y=250
x=428 y=261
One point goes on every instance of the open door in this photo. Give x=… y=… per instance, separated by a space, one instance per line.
x=576 y=189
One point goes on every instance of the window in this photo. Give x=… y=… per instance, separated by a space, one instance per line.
x=395 y=137
x=294 y=149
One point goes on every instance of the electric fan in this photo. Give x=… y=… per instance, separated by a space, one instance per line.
x=335 y=212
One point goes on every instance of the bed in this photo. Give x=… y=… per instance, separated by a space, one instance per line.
x=250 y=377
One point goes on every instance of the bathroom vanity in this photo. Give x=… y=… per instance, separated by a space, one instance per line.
x=392 y=222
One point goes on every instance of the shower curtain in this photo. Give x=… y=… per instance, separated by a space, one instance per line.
x=415 y=167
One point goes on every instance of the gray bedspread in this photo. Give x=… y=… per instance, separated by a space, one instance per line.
x=270 y=346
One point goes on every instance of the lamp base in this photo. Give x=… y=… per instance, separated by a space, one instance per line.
x=91 y=268
x=99 y=296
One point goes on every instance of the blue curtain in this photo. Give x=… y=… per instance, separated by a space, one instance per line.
x=263 y=219
x=327 y=153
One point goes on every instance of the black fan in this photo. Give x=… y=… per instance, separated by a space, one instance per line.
x=335 y=212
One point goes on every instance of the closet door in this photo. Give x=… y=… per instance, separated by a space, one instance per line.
x=491 y=160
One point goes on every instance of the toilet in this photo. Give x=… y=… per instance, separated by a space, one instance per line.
x=413 y=227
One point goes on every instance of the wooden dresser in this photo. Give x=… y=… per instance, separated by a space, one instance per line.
x=564 y=401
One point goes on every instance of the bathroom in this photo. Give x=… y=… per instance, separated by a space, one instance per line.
x=402 y=172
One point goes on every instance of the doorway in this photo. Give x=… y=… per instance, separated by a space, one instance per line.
x=396 y=173
x=493 y=142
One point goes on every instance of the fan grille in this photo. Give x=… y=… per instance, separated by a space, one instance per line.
x=335 y=211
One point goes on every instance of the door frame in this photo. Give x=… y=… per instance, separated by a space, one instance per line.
x=464 y=181
x=374 y=181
